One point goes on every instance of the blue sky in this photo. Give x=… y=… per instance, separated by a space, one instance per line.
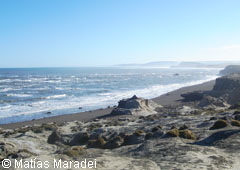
x=43 y=33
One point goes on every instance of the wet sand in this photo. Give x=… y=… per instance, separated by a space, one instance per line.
x=171 y=98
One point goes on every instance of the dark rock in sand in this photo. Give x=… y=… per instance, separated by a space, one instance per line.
x=213 y=118
x=183 y=127
x=80 y=138
x=237 y=117
x=148 y=135
x=54 y=138
x=193 y=96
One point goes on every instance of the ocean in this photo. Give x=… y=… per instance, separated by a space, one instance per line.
x=30 y=93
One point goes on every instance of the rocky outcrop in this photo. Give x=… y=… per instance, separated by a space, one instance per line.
x=227 y=83
x=54 y=138
x=80 y=138
x=160 y=141
x=212 y=102
x=227 y=87
x=135 y=106
x=225 y=91
x=231 y=69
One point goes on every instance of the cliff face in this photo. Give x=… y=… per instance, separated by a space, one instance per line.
x=227 y=87
x=231 y=69
x=226 y=83
x=225 y=91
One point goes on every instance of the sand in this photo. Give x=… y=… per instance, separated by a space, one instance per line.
x=171 y=98
x=174 y=97
x=130 y=143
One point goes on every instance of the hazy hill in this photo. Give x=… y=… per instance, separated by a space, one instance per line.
x=184 y=64
x=151 y=64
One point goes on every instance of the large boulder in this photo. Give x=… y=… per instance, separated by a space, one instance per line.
x=80 y=138
x=135 y=106
x=133 y=103
x=55 y=138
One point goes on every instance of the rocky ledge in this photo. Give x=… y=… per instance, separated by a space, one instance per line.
x=231 y=69
x=182 y=137
x=135 y=106
x=225 y=91
x=203 y=132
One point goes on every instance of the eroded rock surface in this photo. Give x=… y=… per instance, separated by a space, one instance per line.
x=135 y=106
x=166 y=140
x=231 y=69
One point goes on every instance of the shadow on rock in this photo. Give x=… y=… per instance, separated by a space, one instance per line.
x=216 y=137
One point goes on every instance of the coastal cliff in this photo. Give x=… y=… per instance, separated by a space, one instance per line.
x=231 y=69
x=183 y=136
x=227 y=87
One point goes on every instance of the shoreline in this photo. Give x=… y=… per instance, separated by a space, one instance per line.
x=170 y=98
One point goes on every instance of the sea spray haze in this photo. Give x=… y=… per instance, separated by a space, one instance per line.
x=30 y=93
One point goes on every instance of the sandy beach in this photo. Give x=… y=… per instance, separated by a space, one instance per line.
x=171 y=98
x=120 y=85
x=162 y=133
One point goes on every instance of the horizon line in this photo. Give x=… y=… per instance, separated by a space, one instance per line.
x=196 y=61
